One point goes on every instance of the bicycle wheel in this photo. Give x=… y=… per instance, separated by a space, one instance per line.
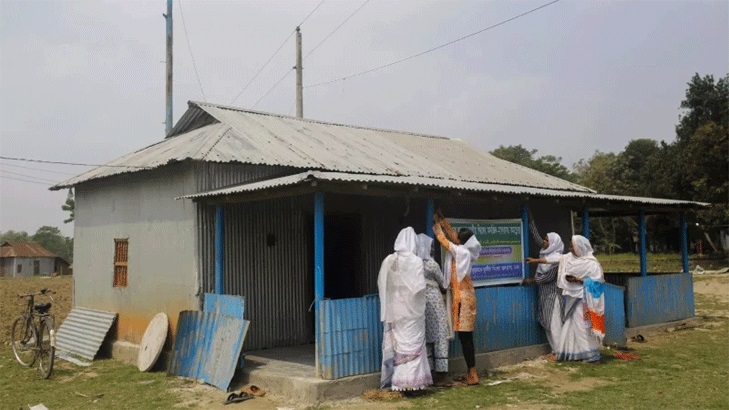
x=46 y=350
x=24 y=336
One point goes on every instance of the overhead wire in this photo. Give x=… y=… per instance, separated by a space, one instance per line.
x=312 y=50
x=189 y=47
x=431 y=49
x=25 y=180
x=37 y=169
x=335 y=29
x=42 y=161
x=260 y=70
x=28 y=176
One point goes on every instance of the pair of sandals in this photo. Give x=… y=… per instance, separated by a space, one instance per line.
x=246 y=393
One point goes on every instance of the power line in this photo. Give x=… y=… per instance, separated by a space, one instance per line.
x=273 y=88
x=29 y=176
x=42 y=161
x=189 y=47
x=335 y=30
x=38 y=169
x=310 y=13
x=431 y=49
x=260 y=70
x=25 y=180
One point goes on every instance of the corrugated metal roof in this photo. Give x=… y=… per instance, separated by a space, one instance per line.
x=434 y=183
x=215 y=133
x=83 y=331
x=24 y=250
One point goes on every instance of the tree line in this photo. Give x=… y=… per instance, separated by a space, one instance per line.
x=693 y=166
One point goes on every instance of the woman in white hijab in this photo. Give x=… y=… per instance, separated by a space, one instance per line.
x=437 y=329
x=402 y=311
x=549 y=294
x=581 y=279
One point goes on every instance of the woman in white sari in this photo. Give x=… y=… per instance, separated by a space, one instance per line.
x=582 y=312
x=402 y=311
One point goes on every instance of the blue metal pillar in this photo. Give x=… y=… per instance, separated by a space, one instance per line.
x=684 y=243
x=219 y=231
x=525 y=236
x=318 y=246
x=585 y=222
x=429 y=211
x=643 y=246
x=318 y=275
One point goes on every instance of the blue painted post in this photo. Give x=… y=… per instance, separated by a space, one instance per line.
x=684 y=243
x=318 y=246
x=643 y=247
x=585 y=222
x=219 y=231
x=318 y=275
x=525 y=238
x=429 y=211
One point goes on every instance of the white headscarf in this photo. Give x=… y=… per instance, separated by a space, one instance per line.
x=465 y=255
x=425 y=244
x=555 y=248
x=401 y=281
x=581 y=266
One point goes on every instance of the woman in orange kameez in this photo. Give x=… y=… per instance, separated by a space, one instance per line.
x=463 y=249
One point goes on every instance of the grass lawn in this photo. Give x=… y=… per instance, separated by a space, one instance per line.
x=657 y=262
x=677 y=370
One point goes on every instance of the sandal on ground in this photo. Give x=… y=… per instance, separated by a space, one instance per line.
x=237 y=397
x=443 y=384
x=254 y=390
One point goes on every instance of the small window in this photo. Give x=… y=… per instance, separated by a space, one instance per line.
x=19 y=269
x=36 y=268
x=121 y=256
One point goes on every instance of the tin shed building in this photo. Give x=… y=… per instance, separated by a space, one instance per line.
x=296 y=215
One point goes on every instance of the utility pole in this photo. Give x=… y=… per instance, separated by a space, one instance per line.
x=168 y=90
x=299 y=77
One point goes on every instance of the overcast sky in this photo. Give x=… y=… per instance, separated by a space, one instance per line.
x=83 y=81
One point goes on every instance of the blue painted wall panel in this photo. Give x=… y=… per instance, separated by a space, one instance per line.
x=659 y=298
x=506 y=318
x=349 y=340
x=231 y=305
x=614 y=315
x=207 y=347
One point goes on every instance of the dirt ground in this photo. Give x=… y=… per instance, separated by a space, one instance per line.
x=11 y=306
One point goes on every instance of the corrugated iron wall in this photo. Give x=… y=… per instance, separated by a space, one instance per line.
x=350 y=337
x=210 y=175
x=659 y=298
x=267 y=257
x=506 y=318
x=614 y=315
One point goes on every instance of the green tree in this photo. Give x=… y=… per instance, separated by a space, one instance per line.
x=69 y=206
x=549 y=164
x=13 y=236
x=50 y=238
x=706 y=102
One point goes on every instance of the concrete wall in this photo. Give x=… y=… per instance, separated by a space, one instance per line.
x=162 y=265
x=9 y=267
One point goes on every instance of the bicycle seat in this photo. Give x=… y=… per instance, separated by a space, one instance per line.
x=42 y=307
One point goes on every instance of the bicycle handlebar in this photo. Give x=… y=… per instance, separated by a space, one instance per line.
x=41 y=292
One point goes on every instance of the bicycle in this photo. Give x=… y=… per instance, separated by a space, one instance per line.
x=33 y=334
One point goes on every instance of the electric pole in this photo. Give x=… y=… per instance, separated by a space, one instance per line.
x=168 y=91
x=299 y=77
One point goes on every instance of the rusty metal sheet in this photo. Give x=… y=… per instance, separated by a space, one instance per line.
x=659 y=298
x=231 y=305
x=207 y=347
x=349 y=338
